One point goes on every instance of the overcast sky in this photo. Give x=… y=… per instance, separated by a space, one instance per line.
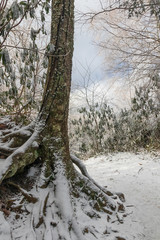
x=89 y=65
x=87 y=58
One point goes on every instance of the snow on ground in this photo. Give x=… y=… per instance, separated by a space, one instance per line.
x=138 y=177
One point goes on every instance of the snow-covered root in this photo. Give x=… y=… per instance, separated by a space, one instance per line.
x=23 y=132
x=52 y=217
x=84 y=171
x=5 y=150
x=14 y=160
x=18 y=149
x=57 y=207
x=63 y=209
x=20 y=158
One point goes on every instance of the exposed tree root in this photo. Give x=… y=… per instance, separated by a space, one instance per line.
x=57 y=207
x=84 y=171
x=24 y=132
x=20 y=149
x=7 y=150
x=64 y=209
x=29 y=197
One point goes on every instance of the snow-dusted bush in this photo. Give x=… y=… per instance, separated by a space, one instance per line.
x=23 y=56
x=100 y=129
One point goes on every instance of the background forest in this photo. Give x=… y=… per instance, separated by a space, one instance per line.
x=42 y=194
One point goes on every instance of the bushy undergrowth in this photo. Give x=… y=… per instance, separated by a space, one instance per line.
x=99 y=128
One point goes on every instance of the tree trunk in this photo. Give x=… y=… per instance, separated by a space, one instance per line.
x=54 y=110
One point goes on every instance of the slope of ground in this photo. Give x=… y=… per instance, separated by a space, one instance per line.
x=138 y=177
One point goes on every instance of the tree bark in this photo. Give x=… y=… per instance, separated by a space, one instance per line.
x=55 y=105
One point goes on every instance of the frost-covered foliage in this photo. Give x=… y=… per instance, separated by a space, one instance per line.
x=99 y=128
x=138 y=7
x=23 y=59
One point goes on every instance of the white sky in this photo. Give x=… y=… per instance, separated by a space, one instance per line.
x=89 y=64
x=86 y=54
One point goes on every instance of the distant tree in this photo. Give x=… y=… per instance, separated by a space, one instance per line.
x=129 y=33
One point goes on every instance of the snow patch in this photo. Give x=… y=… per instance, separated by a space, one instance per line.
x=138 y=177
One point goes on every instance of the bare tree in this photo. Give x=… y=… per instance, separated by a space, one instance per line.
x=128 y=33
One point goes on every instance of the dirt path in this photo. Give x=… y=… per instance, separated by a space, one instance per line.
x=138 y=177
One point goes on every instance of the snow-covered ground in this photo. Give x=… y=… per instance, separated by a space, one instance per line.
x=138 y=177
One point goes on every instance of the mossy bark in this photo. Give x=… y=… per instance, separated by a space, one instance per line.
x=54 y=110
